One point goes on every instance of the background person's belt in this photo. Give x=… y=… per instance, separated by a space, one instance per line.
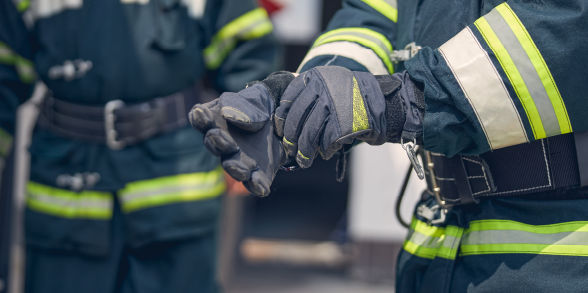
x=117 y=124
x=554 y=163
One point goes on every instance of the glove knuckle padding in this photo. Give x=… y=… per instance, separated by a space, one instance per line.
x=201 y=118
x=259 y=183
x=239 y=166
x=219 y=142
x=248 y=109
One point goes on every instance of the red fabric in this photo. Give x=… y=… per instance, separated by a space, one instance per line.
x=270 y=6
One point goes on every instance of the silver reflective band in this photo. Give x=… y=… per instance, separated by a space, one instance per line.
x=484 y=89
x=129 y=197
x=365 y=57
x=81 y=203
x=517 y=236
x=344 y=32
x=527 y=71
x=195 y=7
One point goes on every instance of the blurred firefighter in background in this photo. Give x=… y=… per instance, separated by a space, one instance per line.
x=123 y=196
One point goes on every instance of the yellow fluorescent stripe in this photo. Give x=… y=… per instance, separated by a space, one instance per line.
x=539 y=63
x=183 y=196
x=23 y=5
x=36 y=188
x=202 y=178
x=6 y=55
x=426 y=229
x=360 y=118
x=5 y=142
x=548 y=249
x=287 y=141
x=514 y=76
x=484 y=89
x=441 y=242
x=77 y=200
x=259 y=31
x=302 y=155
x=367 y=43
x=420 y=251
x=239 y=29
x=384 y=8
x=69 y=212
x=485 y=225
x=359 y=30
x=234 y=27
x=24 y=67
x=25 y=70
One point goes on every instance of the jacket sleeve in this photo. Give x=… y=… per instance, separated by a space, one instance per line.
x=16 y=70
x=358 y=37
x=242 y=46
x=515 y=75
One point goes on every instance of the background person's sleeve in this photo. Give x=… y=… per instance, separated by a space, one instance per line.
x=16 y=69
x=242 y=47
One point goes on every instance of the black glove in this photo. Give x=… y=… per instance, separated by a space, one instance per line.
x=249 y=149
x=328 y=107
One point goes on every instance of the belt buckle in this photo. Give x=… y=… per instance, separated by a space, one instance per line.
x=436 y=189
x=109 y=125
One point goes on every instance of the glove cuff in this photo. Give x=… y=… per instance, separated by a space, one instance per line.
x=405 y=107
x=276 y=83
x=395 y=113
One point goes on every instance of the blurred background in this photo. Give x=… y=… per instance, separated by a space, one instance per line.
x=312 y=234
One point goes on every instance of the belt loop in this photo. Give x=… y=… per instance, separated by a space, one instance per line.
x=581 y=140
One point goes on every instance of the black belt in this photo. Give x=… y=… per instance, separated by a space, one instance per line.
x=554 y=163
x=117 y=124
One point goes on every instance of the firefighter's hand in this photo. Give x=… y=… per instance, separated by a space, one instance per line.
x=238 y=128
x=328 y=107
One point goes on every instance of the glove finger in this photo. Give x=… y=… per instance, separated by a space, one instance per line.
x=312 y=134
x=296 y=120
x=259 y=184
x=219 y=142
x=239 y=166
x=330 y=143
x=286 y=100
x=248 y=109
x=201 y=117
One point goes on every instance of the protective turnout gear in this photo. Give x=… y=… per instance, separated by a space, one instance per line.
x=495 y=75
x=249 y=149
x=320 y=110
x=123 y=213
x=328 y=107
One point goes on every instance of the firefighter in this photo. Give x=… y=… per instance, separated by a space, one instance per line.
x=123 y=196
x=494 y=93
